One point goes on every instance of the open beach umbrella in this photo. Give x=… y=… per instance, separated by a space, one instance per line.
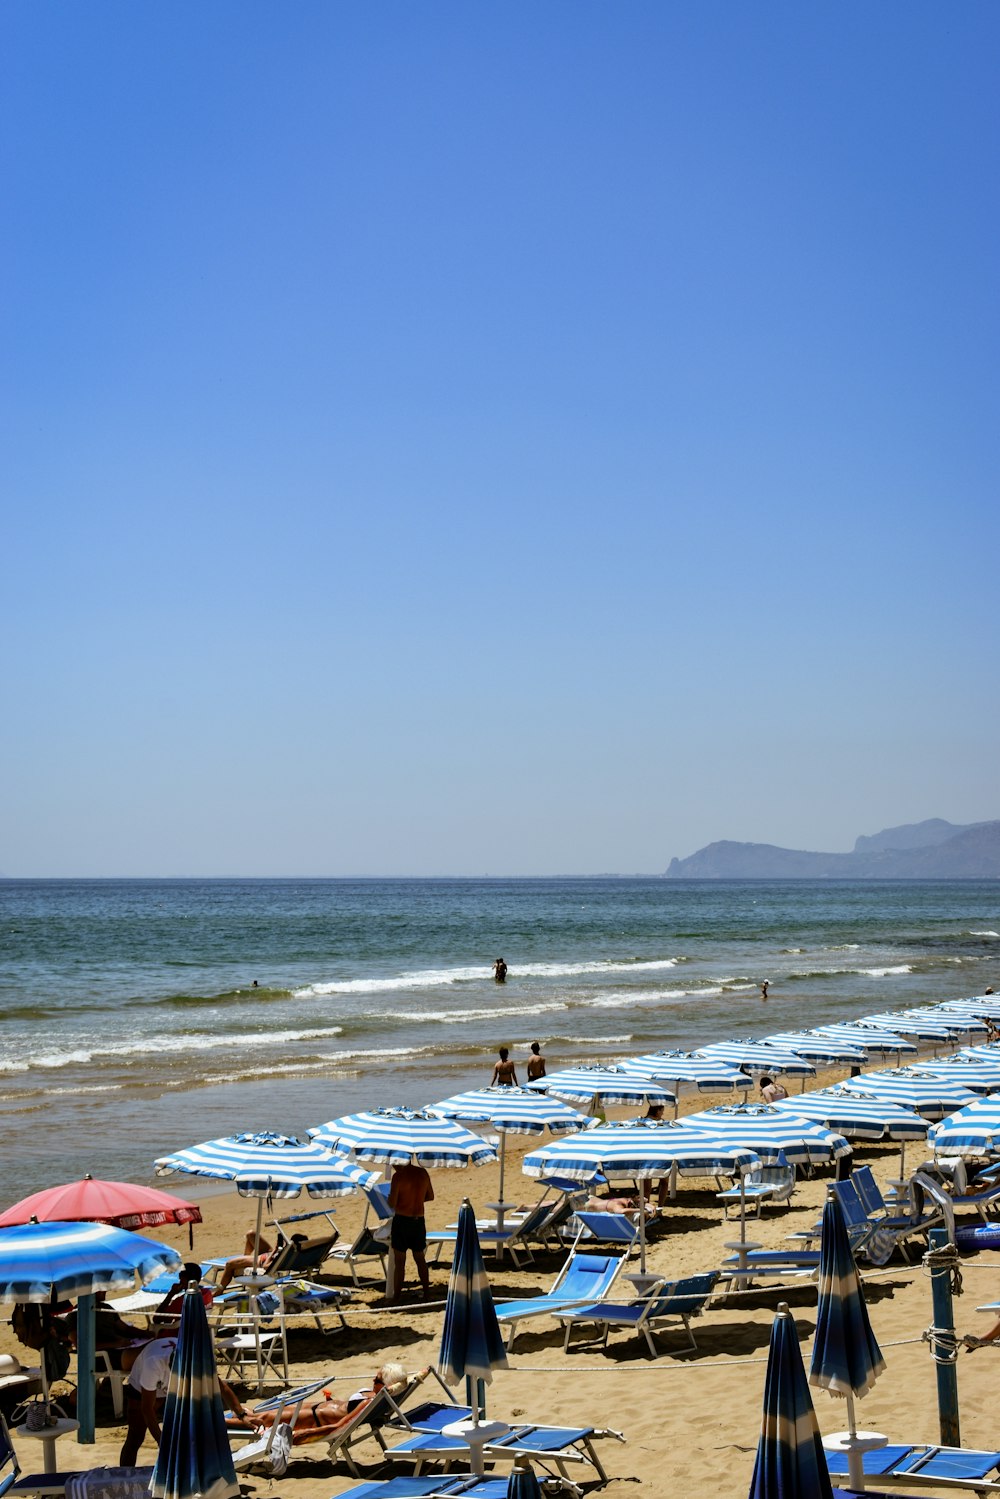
x=676 y=1069
x=771 y=1132
x=791 y=1463
x=988 y=1052
x=471 y=1343
x=600 y=1087
x=923 y=1092
x=511 y=1111
x=978 y=1006
x=397 y=1137
x=920 y=1027
x=43 y=1261
x=846 y=1358
x=858 y=1116
x=978 y=1074
x=871 y=1039
x=971 y=1131
x=640 y=1150
x=194 y=1459
x=759 y=1056
x=123 y=1204
x=825 y=1050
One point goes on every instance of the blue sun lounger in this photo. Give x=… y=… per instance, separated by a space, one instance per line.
x=584 y=1278
x=920 y=1466
x=668 y=1300
x=546 y=1446
x=441 y=1487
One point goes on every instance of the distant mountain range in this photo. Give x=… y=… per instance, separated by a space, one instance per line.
x=932 y=850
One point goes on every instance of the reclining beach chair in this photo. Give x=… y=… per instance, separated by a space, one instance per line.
x=877 y=1209
x=549 y=1447
x=666 y=1301
x=534 y=1227
x=46 y=1485
x=372 y=1241
x=615 y=1229
x=921 y=1466
x=441 y=1486
x=869 y=1238
x=767 y=1264
x=763 y=1184
x=584 y=1279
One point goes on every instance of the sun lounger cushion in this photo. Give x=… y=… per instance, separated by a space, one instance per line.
x=983 y=1236
x=946 y=1464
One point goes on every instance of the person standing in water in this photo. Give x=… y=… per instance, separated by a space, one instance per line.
x=536 y=1063
x=499 y=971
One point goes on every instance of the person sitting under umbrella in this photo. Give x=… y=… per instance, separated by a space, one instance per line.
x=112 y=1334
x=172 y=1304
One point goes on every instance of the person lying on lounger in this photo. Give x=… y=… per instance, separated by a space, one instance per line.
x=241 y=1263
x=324 y=1410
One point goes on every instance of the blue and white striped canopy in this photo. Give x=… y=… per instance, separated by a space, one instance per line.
x=270 y=1165
x=814 y=1047
x=602 y=1085
x=975 y=1073
x=971 y=1131
x=846 y=1358
x=515 y=1111
x=981 y=1004
x=920 y=1026
x=638 y=1150
x=871 y=1039
x=791 y=1463
x=397 y=1136
x=705 y=1074
x=76 y=1259
x=194 y=1460
x=961 y=1021
x=988 y=1052
x=759 y=1056
x=771 y=1133
x=928 y=1095
x=471 y=1344
x=859 y=1116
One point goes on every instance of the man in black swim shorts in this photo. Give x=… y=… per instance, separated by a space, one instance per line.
x=411 y=1189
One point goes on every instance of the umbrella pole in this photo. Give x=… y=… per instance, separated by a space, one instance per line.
x=86 y=1342
x=642 y=1233
x=501 y=1204
x=855 y=1454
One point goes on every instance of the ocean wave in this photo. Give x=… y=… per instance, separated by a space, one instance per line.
x=436 y=978
x=983 y=934
x=154 y=1045
x=884 y=973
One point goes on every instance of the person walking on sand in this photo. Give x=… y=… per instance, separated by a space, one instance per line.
x=499 y=971
x=410 y=1191
x=504 y=1073
x=536 y=1063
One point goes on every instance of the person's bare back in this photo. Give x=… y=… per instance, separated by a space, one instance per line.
x=411 y=1188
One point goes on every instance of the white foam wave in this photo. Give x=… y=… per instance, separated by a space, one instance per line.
x=459 y=1017
x=84 y=1088
x=984 y=934
x=436 y=978
x=155 y=1045
x=883 y=973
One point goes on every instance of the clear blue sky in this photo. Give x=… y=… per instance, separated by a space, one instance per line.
x=464 y=438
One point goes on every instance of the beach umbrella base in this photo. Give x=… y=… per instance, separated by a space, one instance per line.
x=477 y=1435
x=855 y=1444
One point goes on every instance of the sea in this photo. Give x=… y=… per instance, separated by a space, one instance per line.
x=139 y=1016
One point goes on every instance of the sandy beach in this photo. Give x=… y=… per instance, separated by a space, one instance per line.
x=691 y=1416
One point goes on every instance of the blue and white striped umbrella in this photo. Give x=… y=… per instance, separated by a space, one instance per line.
x=471 y=1344
x=639 y=1150
x=980 y=1004
x=859 y=1116
x=676 y=1068
x=602 y=1086
x=194 y=1460
x=971 y=1131
x=771 y=1133
x=396 y=1137
x=815 y=1048
x=871 y=1039
x=791 y=1463
x=846 y=1358
x=38 y=1260
x=928 y=1095
x=759 y=1056
x=988 y=1052
x=975 y=1073
x=919 y=1026
x=270 y=1165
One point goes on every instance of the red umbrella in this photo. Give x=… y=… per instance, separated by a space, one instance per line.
x=122 y=1204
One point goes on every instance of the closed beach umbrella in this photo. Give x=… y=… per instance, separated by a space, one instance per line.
x=397 y=1137
x=971 y=1131
x=846 y=1358
x=978 y=1074
x=194 y=1459
x=926 y=1094
x=872 y=1039
x=791 y=1463
x=600 y=1087
x=522 y=1483
x=514 y=1111
x=825 y=1050
x=123 y=1204
x=758 y=1056
x=471 y=1344
x=686 y=1068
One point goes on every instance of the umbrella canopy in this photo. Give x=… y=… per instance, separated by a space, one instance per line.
x=978 y=1074
x=815 y=1048
x=515 y=1111
x=599 y=1086
x=858 y=1116
x=928 y=1095
x=846 y=1358
x=270 y=1165
x=919 y=1026
x=771 y=1133
x=705 y=1074
x=194 y=1460
x=791 y=1463
x=871 y=1039
x=40 y=1260
x=979 y=1005
x=759 y=1056
x=988 y=1052
x=522 y=1483
x=471 y=1344
x=123 y=1204
x=640 y=1150
x=971 y=1131
x=397 y=1137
